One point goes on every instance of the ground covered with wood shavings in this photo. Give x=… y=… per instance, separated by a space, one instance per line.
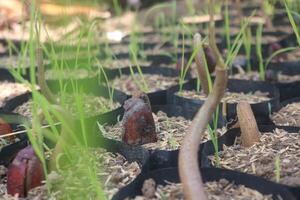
x=170 y=132
x=288 y=115
x=229 y=97
x=215 y=190
x=56 y=74
x=254 y=76
x=260 y=158
x=112 y=172
x=154 y=82
x=124 y=63
x=9 y=90
x=92 y=105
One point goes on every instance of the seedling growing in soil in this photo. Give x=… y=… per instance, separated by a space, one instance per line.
x=214 y=136
x=266 y=9
x=292 y=21
x=277 y=169
x=143 y=85
x=259 y=51
x=24 y=173
x=227 y=25
x=188 y=162
x=138 y=123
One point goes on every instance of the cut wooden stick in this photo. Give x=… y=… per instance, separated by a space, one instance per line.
x=188 y=156
x=249 y=130
x=200 y=63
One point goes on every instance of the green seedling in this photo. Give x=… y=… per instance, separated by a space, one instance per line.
x=247 y=37
x=227 y=25
x=277 y=169
x=292 y=21
x=117 y=7
x=259 y=52
x=214 y=136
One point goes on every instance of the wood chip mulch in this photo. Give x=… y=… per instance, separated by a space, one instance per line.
x=215 y=190
x=288 y=115
x=170 y=132
x=260 y=158
x=229 y=97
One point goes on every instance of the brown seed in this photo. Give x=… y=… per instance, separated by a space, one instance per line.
x=138 y=123
x=24 y=173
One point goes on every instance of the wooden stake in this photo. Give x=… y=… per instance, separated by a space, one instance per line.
x=249 y=130
x=200 y=64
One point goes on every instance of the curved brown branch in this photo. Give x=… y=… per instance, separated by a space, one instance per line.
x=188 y=163
x=188 y=156
x=200 y=64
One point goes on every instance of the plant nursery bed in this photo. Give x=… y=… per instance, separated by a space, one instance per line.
x=229 y=97
x=261 y=157
x=154 y=82
x=263 y=98
x=92 y=105
x=53 y=74
x=113 y=170
x=218 y=184
x=124 y=63
x=170 y=132
x=222 y=189
x=289 y=114
x=254 y=76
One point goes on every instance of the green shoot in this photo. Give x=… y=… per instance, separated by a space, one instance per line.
x=293 y=23
x=214 y=136
x=117 y=7
x=227 y=25
x=259 y=52
x=277 y=169
x=190 y=6
x=247 y=36
x=143 y=85
x=276 y=53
